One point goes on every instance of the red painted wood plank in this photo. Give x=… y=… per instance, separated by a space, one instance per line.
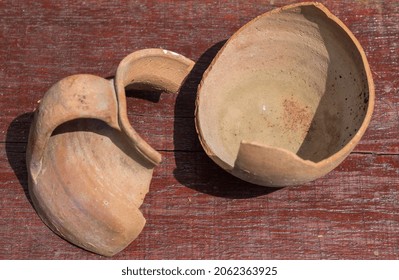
x=194 y=209
x=43 y=43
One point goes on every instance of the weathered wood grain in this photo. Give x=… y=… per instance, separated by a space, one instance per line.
x=194 y=209
x=42 y=43
x=203 y=212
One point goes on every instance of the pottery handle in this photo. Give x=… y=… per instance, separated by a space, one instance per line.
x=74 y=97
x=148 y=69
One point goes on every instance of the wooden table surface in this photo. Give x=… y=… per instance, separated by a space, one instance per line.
x=195 y=210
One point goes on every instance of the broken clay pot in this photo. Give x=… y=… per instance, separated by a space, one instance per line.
x=287 y=98
x=88 y=168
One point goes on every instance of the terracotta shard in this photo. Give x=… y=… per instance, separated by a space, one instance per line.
x=89 y=170
x=287 y=98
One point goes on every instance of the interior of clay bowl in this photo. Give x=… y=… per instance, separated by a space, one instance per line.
x=292 y=79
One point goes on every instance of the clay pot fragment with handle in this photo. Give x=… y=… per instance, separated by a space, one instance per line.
x=287 y=98
x=89 y=170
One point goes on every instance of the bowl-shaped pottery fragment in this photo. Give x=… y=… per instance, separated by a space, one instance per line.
x=287 y=98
